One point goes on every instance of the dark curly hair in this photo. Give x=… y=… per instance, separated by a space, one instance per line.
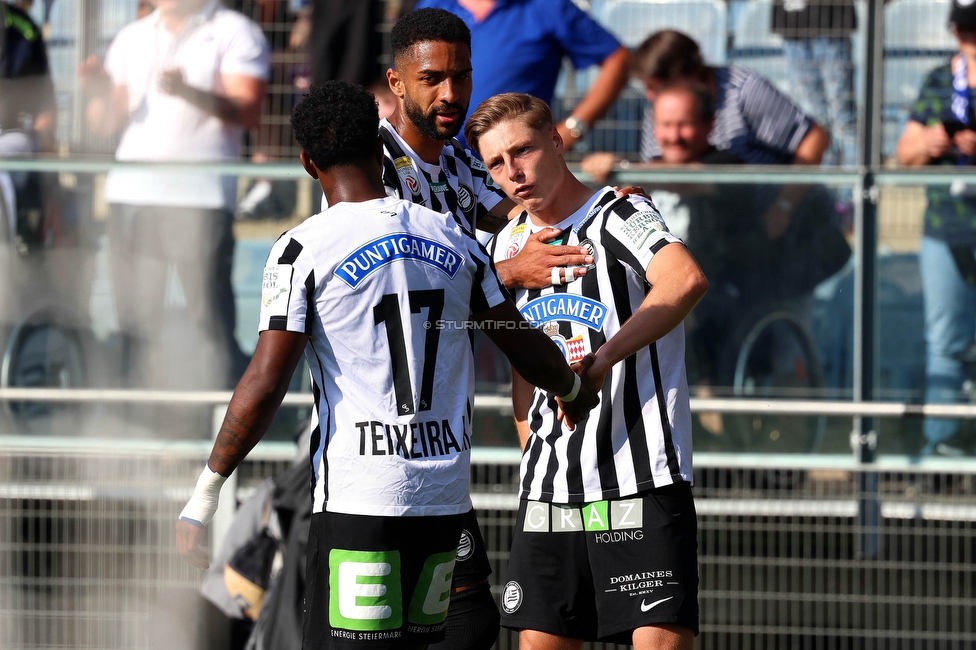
x=427 y=25
x=336 y=123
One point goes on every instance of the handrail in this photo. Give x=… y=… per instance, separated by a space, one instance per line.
x=767 y=174
x=836 y=408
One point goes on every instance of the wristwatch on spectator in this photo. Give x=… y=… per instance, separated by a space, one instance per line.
x=577 y=128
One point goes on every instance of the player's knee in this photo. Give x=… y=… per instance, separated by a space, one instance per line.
x=664 y=637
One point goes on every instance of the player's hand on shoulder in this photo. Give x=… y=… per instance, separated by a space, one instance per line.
x=631 y=190
x=534 y=264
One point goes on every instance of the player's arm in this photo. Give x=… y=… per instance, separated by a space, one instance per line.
x=613 y=76
x=536 y=358
x=677 y=284
x=254 y=404
x=521 y=402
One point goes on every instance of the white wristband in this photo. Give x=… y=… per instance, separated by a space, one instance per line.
x=573 y=393
x=202 y=505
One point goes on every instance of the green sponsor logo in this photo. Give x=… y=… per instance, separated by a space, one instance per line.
x=595 y=516
x=365 y=590
x=428 y=605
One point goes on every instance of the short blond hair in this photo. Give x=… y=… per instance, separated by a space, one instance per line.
x=531 y=111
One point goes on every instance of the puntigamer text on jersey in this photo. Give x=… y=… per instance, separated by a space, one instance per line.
x=380 y=252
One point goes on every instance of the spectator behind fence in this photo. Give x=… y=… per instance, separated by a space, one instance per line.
x=753 y=120
x=28 y=112
x=817 y=45
x=940 y=131
x=519 y=45
x=182 y=84
x=754 y=261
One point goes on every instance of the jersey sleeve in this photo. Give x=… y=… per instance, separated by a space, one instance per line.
x=247 y=52
x=634 y=231
x=775 y=121
x=287 y=287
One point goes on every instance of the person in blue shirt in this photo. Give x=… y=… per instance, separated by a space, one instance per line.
x=519 y=46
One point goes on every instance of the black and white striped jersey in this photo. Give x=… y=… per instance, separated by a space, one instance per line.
x=640 y=434
x=459 y=185
x=384 y=289
x=753 y=120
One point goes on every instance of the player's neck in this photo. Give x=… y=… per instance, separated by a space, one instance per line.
x=423 y=145
x=351 y=184
x=570 y=197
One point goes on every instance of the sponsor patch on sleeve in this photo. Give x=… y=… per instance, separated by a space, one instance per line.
x=638 y=228
x=276 y=290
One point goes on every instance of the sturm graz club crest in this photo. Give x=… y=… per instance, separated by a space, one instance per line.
x=465 y=197
x=591 y=249
x=512 y=597
x=465 y=547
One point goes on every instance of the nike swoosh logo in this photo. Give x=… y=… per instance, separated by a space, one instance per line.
x=645 y=607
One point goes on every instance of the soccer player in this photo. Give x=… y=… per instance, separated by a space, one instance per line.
x=605 y=543
x=377 y=293
x=424 y=163
x=431 y=78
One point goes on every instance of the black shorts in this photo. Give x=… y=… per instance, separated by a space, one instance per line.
x=472 y=564
x=378 y=582
x=600 y=570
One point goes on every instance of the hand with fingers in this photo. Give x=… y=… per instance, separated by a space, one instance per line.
x=197 y=513
x=541 y=264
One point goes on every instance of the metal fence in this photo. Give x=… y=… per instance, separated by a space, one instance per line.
x=915 y=40
x=795 y=552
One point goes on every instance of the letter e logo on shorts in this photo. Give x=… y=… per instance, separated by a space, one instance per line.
x=511 y=597
x=364 y=590
x=428 y=605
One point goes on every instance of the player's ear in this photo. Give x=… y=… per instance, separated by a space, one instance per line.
x=557 y=140
x=308 y=164
x=396 y=84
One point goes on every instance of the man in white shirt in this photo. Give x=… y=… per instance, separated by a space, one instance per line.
x=182 y=84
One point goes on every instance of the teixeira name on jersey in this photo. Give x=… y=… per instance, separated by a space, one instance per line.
x=428 y=439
